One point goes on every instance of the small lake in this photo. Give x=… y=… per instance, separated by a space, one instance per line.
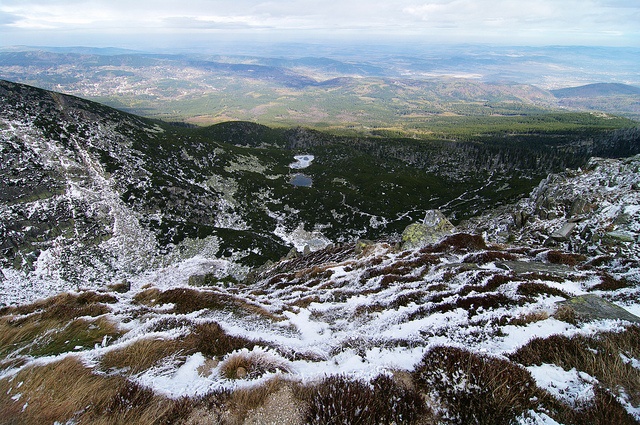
x=301 y=180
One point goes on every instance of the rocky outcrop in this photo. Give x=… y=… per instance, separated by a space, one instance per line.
x=592 y=210
x=433 y=228
x=590 y=307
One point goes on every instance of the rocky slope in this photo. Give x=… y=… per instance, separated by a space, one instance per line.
x=91 y=194
x=455 y=330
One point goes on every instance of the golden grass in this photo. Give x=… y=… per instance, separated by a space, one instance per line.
x=140 y=355
x=38 y=336
x=68 y=391
x=66 y=306
x=188 y=300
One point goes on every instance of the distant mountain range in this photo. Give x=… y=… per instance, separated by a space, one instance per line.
x=410 y=91
x=597 y=90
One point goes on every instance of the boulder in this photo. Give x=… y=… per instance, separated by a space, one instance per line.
x=589 y=307
x=433 y=228
x=563 y=233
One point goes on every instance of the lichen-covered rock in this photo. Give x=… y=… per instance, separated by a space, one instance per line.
x=434 y=227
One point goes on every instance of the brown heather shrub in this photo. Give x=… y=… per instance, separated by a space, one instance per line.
x=609 y=283
x=599 y=356
x=557 y=257
x=489 y=256
x=459 y=243
x=475 y=389
x=389 y=279
x=473 y=303
x=339 y=400
x=212 y=341
x=533 y=289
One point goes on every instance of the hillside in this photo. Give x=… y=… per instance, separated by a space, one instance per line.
x=462 y=330
x=91 y=188
x=159 y=273
x=597 y=89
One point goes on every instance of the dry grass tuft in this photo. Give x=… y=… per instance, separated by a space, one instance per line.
x=38 y=336
x=68 y=392
x=339 y=400
x=524 y=320
x=188 y=300
x=599 y=356
x=140 y=355
x=251 y=364
x=475 y=389
x=65 y=307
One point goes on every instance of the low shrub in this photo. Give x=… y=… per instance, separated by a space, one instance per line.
x=339 y=400
x=212 y=341
x=489 y=256
x=475 y=389
x=609 y=283
x=459 y=243
x=599 y=356
x=533 y=289
x=569 y=259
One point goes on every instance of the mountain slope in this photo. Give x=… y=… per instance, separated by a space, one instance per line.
x=93 y=194
x=458 y=331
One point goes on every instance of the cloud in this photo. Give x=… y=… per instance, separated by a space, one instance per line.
x=540 y=21
x=213 y=23
x=8 y=18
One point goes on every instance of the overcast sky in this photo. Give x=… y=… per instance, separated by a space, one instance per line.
x=144 y=23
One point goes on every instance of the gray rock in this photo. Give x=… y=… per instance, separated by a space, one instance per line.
x=520 y=219
x=619 y=236
x=524 y=267
x=592 y=307
x=563 y=233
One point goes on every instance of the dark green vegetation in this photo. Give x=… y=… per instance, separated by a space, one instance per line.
x=231 y=180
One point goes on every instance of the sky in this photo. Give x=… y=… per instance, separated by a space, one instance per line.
x=157 y=23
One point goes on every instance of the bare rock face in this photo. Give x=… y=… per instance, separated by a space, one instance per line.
x=589 y=307
x=433 y=228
